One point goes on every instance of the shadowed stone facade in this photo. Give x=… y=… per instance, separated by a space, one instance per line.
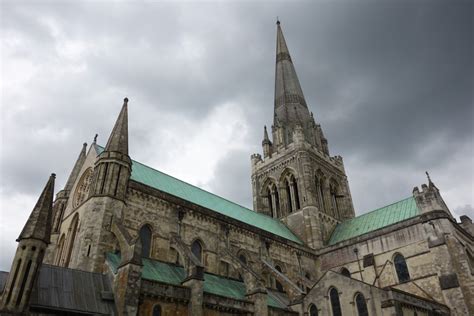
x=154 y=245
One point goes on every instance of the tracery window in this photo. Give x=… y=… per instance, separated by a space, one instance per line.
x=320 y=191
x=145 y=238
x=288 y=194
x=196 y=249
x=335 y=303
x=270 y=202
x=71 y=238
x=361 y=305
x=313 y=310
x=297 y=195
x=401 y=268
x=346 y=272
x=82 y=189
x=156 y=310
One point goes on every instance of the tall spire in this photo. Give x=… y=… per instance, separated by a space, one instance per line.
x=76 y=169
x=118 y=140
x=290 y=104
x=38 y=225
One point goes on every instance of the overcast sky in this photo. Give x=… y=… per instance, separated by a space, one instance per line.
x=391 y=83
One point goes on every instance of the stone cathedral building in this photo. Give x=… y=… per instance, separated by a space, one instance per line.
x=122 y=238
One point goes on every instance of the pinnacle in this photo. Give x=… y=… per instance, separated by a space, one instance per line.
x=118 y=140
x=38 y=225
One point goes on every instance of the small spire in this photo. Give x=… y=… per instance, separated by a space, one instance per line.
x=278 y=21
x=38 y=225
x=118 y=140
x=266 y=140
x=95 y=138
x=430 y=183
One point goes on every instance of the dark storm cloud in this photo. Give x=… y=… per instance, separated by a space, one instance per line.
x=390 y=82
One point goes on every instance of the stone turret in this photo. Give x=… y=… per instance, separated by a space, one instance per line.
x=429 y=199
x=32 y=243
x=113 y=166
x=107 y=198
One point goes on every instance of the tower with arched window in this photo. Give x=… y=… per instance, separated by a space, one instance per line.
x=297 y=179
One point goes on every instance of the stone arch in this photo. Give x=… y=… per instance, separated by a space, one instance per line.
x=271 y=196
x=335 y=194
x=145 y=233
x=401 y=268
x=344 y=271
x=72 y=233
x=361 y=304
x=320 y=181
x=334 y=301
x=289 y=184
x=197 y=248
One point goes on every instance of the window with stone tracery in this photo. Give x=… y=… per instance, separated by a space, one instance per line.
x=82 y=188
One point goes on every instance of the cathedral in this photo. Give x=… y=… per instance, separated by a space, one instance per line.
x=122 y=238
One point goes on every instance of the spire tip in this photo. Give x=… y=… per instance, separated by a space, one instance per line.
x=53 y=175
x=125 y=100
x=278 y=21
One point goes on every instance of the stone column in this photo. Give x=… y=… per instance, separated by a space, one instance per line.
x=293 y=196
x=196 y=284
x=259 y=299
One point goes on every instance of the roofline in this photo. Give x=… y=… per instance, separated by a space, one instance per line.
x=390 y=228
x=144 y=188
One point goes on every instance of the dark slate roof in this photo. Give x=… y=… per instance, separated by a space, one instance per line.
x=168 y=184
x=68 y=290
x=213 y=284
x=376 y=219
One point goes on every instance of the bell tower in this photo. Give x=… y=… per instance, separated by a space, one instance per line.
x=297 y=180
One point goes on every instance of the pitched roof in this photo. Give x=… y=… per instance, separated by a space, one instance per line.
x=374 y=220
x=172 y=274
x=75 y=291
x=168 y=184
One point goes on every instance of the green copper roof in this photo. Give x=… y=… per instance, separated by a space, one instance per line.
x=374 y=220
x=172 y=274
x=168 y=184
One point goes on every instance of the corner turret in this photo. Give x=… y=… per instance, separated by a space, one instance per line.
x=32 y=243
x=113 y=166
x=429 y=199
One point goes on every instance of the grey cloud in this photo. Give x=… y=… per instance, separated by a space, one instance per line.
x=390 y=82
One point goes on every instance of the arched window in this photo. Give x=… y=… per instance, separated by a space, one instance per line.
x=288 y=195
x=277 y=204
x=335 y=304
x=297 y=195
x=345 y=272
x=322 y=203
x=313 y=310
x=361 y=305
x=196 y=249
x=156 y=310
x=71 y=238
x=401 y=268
x=59 y=250
x=145 y=238
x=82 y=188
x=278 y=285
x=270 y=202
x=243 y=259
